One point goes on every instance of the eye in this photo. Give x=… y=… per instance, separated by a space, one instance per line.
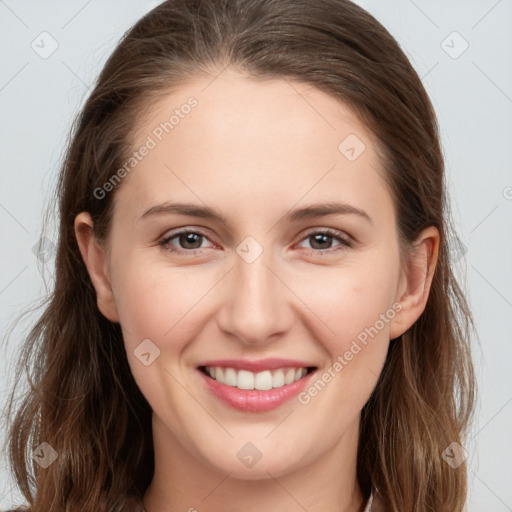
x=322 y=238
x=189 y=240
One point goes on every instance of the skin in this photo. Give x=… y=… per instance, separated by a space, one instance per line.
x=255 y=150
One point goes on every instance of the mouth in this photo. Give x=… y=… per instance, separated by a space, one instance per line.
x=258 y=389
x=261 y=381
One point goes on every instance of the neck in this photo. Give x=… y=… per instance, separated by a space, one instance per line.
x=185 y=482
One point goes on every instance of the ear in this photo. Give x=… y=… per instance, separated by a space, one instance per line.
x=415 y=282
x=95 y=259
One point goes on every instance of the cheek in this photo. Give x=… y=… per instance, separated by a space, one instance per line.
x=167 y=307
x=346 y=302
x=156 y=305
x=142 y=310
x=153 y=301
x=353 y=309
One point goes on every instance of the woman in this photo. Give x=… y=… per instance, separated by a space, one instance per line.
x=251 y=371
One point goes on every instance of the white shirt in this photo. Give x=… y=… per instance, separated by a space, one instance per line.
x=369 y=504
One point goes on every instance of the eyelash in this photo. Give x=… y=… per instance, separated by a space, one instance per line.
x=344 y=242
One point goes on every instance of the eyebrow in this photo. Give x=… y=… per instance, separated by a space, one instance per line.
x=309 y=212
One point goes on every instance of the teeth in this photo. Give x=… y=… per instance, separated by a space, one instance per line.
x=290 y=376
x=244 y=379
x=230 y=377
x=263 y=380
x=278 y=379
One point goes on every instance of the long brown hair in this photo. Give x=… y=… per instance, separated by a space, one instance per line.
x=83 y=400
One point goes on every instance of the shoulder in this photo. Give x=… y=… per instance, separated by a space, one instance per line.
x=131 y=504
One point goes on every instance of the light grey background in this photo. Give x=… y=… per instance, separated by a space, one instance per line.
x=471 y=91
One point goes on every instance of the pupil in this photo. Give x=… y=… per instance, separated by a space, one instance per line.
x=319 y=237
x=189 y=238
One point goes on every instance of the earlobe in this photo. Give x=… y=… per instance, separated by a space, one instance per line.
x=95 y=259
x=415 y=285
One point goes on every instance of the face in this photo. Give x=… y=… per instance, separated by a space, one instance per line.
x=276 y=292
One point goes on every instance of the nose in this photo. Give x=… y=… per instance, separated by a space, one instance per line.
x=257 y=306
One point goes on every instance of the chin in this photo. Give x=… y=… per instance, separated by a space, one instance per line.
x=247 y=462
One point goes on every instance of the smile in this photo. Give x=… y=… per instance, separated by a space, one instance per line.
x=265 y=380
x=255 y=386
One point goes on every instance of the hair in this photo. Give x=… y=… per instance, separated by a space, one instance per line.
x=83 y=399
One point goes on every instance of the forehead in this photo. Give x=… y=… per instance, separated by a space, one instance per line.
x=239 y=138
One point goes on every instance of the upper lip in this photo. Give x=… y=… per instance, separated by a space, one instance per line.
x=258 y=365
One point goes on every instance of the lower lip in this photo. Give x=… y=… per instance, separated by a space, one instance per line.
x=254 y=400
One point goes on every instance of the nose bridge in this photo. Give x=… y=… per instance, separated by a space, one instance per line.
x=255 y=307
